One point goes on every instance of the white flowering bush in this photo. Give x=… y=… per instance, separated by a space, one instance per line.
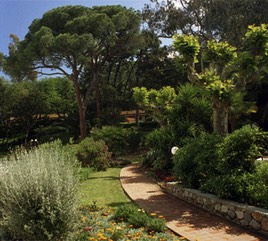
x=38 y=190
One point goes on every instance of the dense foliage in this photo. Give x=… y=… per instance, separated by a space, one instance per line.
x=77 y=42
x=187 y=113
x=159 y=143
x=42 y=110
x=39 y=194
x=226 y=166
x=225 y=70
x=196 y=161
x=119 y=140
x=93 y=154
x=226 y=21
x=213 y=78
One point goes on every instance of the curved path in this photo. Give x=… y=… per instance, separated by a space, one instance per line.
x=182 y=218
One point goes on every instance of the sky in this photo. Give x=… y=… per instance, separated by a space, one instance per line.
x=17 y=15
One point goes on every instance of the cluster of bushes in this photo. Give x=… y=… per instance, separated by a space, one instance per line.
x=104 y=144
x=189 y=117
x=119 y=140
x=38 y=190
x=159 y=143
x=226 y=166
x=39 y=199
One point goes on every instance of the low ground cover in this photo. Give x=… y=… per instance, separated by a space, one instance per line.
x=112 y=225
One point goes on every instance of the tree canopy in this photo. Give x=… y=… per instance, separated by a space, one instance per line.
x=220 y=19
x=228 y=71
x=71 y=39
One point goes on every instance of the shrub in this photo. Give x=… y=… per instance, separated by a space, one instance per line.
x=53 y=132
x=257 y=188
x=241 y=148
x=159 y=142
x=196 y=161
x=124 y=212
x=237 y=177
x=93 y=154
x=119 y=140
x=228 y=186
x=139 y=218
x=226 y=166
x=39 y=194
x=191 y=112
x=156 y=225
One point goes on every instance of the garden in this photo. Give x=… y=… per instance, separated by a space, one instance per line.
x=46 y=194
x=64 y=139
x=55 y=191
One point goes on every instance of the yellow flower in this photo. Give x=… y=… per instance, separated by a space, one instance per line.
x=110 y=230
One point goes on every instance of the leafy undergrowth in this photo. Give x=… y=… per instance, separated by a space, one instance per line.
x=121 y=225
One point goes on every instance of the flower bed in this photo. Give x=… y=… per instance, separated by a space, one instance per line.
x=106 y=224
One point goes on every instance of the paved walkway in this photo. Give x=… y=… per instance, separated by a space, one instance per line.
x=184 y=219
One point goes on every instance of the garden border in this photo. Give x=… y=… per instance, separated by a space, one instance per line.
x=247 y=216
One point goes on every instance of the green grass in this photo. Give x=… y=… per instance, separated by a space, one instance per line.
x=102 y=187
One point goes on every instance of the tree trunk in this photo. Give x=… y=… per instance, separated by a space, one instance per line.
x=98 y=105
x=82 y=120
x=220 y=117
x=137 y=114
x=232 y=123
x=98 y=97
x=81 y=110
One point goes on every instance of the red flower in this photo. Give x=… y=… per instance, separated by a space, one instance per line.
x=88 y=228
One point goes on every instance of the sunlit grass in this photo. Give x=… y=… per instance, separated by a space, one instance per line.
x=104 y=188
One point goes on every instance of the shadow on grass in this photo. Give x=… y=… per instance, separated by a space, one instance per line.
x=117 y=204
x=105 y=178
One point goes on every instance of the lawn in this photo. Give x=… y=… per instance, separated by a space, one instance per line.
x=102 y=188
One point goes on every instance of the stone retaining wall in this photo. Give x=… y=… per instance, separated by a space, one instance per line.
x=248 y=216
